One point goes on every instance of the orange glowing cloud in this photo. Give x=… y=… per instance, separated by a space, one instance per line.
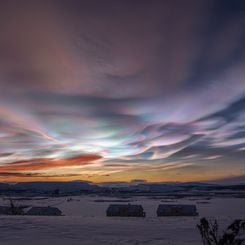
x=47 y=163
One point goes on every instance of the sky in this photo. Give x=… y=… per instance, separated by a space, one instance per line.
x=105 y=90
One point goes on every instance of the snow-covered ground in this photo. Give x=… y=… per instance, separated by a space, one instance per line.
x=85 y=223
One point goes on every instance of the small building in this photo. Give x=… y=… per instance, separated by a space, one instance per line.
x=176 y=210
x=44 y=211
x=125 y=210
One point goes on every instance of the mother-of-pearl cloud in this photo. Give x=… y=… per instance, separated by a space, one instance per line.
x=133 y=84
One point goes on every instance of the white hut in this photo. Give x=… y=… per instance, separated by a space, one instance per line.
x=176 y=210
x=44 y=211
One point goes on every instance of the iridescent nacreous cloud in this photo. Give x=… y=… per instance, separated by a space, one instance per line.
x=120 y=90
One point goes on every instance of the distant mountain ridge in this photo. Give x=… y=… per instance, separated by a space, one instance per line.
x=77 y=186
x=4 y=186
x=51 y=186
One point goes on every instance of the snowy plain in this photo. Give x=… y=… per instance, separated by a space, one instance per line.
x=85 y=222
